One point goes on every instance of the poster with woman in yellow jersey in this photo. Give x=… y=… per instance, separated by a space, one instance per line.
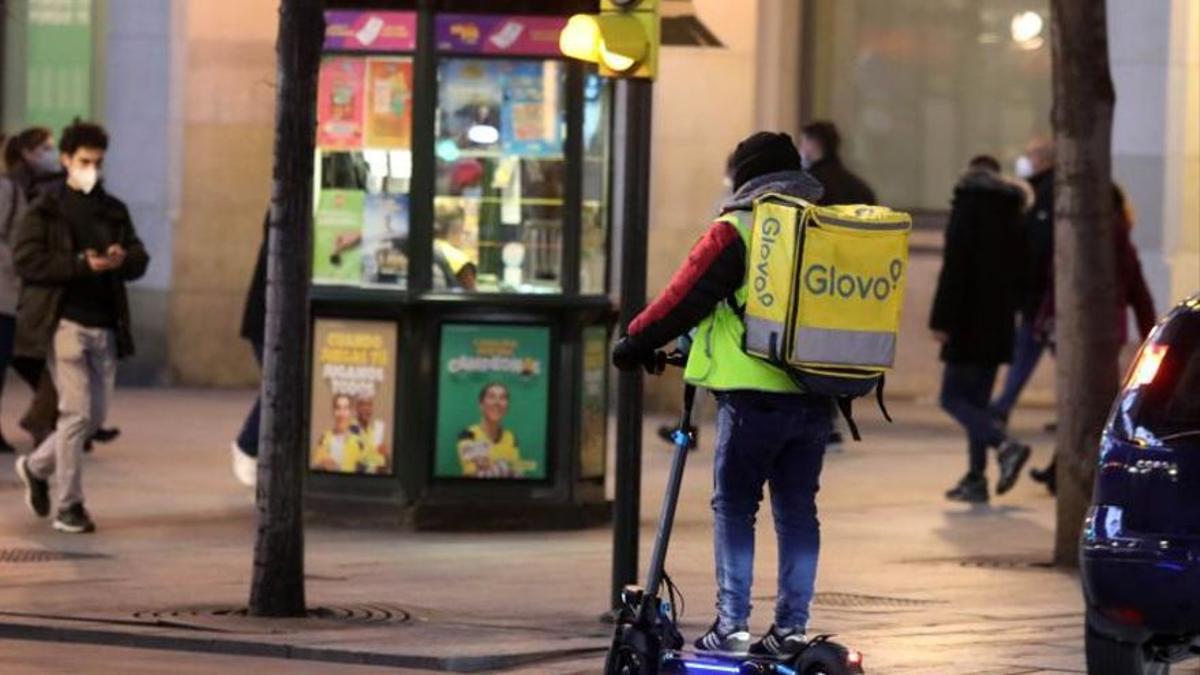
x=493 y=391
x=353 y=396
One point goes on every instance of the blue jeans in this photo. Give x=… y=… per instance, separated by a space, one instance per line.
x=777 y=439
x=247 y=440
x=1026 y=353
x=966 y=388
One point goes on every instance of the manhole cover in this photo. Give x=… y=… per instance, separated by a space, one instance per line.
x=860 y=601
x=34 y=555
x=225 y=618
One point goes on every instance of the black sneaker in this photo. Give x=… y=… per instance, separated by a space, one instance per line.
x=836 y=443
x=74 y=520
x=106 y=435
x=780 y=643
x=1047 y=476
x=1012 y=457
x=101 y=436
x=971 y=489
x=37 y=490
x=733 y=642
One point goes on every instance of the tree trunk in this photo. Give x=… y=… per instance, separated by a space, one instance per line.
x=278 y=583
x=1084 y=257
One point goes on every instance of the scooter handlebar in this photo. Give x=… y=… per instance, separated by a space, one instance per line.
x=661 y=360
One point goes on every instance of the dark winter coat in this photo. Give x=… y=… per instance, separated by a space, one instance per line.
x=45 y=258
x=977 y=292
x=1132 y=290
x=254 y=314
x=1039 y=245
x=841 y=186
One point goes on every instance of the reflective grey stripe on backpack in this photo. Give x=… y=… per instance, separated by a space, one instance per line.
x=879 y=225
x=847 y=347
x=764 y=338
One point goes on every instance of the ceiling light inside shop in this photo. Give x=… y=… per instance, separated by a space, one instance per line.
x=483 y=134
x=1027 y=30
x=447 y=150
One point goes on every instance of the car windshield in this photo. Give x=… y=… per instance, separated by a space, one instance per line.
x=1161 y=399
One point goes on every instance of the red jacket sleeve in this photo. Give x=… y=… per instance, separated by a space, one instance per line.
x=713 y=271
x=1133 y=282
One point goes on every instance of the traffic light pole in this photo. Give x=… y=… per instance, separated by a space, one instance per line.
x=631 y=207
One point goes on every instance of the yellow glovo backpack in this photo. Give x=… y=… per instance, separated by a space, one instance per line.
x=825 y=285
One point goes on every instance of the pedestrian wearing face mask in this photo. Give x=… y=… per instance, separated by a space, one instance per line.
x=1036 y=166
x=820 y=150
x=32 y=164
x=820 y=153
x=74 y=250
x=32 y=161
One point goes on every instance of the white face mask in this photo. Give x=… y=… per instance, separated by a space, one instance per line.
x=1023 y=167
x=84 y=179
x=46 y=162
x=805 y=161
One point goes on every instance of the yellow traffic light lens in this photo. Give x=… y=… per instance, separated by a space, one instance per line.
x=623 y=43
x=617 y=41
x=618 y=62
x=580 y=38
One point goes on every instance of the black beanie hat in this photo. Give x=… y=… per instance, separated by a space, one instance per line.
x=762 y=153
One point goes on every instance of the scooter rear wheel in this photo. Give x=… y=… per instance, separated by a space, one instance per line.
x=826 y=658
x=626 y=660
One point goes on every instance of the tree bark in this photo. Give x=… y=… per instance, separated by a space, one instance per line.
x=1084 y=257
x=278 y=583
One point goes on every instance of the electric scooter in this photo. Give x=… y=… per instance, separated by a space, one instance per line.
x=647 y=640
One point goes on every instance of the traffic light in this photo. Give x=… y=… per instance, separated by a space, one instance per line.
x=623 y=38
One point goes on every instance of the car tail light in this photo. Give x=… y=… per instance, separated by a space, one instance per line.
x=1125 y=615
x=1145 y=368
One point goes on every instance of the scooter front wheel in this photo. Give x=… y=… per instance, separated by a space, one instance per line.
x=625 y=660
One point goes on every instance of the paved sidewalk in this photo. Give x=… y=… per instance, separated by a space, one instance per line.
x=919 y=585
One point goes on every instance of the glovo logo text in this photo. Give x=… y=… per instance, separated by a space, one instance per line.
x=828 y=281
x=769 y=236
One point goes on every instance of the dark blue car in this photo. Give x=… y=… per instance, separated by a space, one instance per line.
x=1141 y=542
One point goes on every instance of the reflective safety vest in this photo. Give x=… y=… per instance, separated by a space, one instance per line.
x=717 y=360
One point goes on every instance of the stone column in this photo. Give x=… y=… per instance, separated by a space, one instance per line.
x=780 y=39
x=1155 y=52
x=142 y=76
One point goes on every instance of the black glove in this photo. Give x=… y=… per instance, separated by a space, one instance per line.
x=630 y=354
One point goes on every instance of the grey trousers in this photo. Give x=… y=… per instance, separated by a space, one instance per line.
x=83 y=365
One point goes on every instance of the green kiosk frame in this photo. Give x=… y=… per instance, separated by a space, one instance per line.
x=460 y=300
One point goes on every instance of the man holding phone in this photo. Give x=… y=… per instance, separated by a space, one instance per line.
x=74 y=250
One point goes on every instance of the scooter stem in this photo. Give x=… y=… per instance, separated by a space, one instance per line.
x=666 y=517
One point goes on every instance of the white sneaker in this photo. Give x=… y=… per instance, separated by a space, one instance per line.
x=245 y=467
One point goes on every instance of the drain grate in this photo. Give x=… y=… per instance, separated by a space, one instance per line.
x=350 y=615
x=1006 y=562
x=36 y=555
x=861 y=601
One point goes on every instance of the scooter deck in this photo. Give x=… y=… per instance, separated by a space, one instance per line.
x=678 y=663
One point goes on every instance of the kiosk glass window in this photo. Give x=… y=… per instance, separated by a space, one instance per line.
x=501 y=175
x=363 y=171
x=597 y=144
